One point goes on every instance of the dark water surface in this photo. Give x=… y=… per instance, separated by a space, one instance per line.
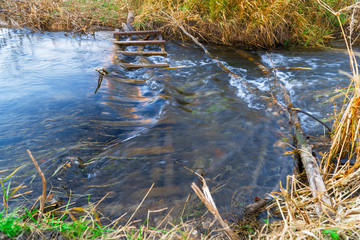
x=144 y=125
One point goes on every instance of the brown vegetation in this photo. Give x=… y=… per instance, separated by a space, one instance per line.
x=247 y=23
x=243 y=23
x=297 y=205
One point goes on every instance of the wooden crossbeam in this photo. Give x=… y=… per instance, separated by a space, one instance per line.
x=130 y=80
x=131 y=65
x=148 y=42
x=144 y=53
x=137 y=33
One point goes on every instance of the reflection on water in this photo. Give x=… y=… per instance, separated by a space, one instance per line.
x=143 y=126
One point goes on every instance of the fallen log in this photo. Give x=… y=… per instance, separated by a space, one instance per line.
x=313 y=175
x=311 y=167
x=316 y=183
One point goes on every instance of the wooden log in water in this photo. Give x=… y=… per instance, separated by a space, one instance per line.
x=144 y=53
x=131 y=65
x=148 y=42
x=313 y=174
x=137 y=33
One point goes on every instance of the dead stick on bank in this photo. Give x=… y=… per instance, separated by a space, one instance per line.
x=206 y=198
x=43 y=196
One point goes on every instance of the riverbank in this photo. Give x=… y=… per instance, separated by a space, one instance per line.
x=295 y=204
x=259 y=24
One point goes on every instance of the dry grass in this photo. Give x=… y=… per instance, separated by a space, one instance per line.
x=59 y=15
x=54 y=220
x=261 y=24
x=295 y=203
x=247 y=23
x=244 y=23
x=297 y=208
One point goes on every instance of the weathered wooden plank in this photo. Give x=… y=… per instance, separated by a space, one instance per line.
x=137 y=33
x=144 y=53
x=130 y=80
x=131 y=65
x=148 y=42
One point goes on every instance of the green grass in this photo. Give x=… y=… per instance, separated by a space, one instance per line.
x=65 y=222
x=22 y=221
x=10 y=224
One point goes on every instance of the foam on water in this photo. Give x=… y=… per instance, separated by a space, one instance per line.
x=279 y=60
x=183 y=63
x=155 y=85
x=158 y=59
x=261 y=84
x=308 y=123
x=244 y=93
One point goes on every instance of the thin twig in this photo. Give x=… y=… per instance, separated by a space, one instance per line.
x=43 y=196
x=140 y=204
x=206 y=198
x=316 y=119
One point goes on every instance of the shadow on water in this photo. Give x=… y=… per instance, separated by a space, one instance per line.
x=144 y=125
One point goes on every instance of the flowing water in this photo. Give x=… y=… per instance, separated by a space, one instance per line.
x=152 y=125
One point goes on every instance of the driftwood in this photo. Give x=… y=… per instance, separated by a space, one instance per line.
x=102 y=73
x=311 y=167
x=313 y=174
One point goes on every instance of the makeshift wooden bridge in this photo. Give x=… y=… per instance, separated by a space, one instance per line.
x=144 y=38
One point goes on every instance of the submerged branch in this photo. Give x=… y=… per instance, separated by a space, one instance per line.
x=102 y=73
x=313 y=117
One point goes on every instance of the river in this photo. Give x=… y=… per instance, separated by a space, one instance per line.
x=152 y=125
